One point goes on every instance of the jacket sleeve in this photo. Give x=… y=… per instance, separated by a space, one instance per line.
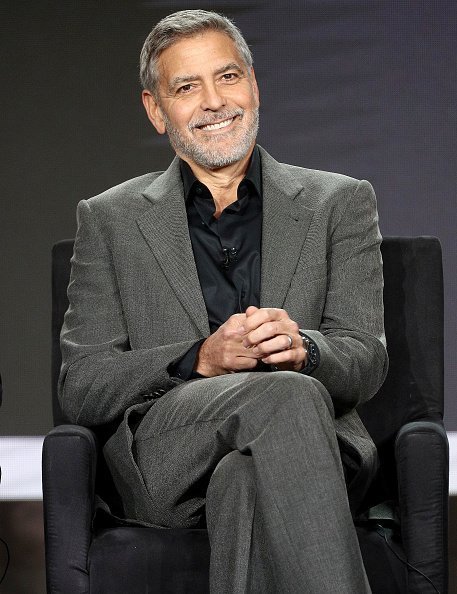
x=351 y=340
x=101 y=376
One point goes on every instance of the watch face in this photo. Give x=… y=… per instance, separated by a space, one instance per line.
x=312 y=353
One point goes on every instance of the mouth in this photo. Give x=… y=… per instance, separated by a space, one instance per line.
x=217 y=125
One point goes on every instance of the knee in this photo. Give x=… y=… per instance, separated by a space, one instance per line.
x=234 y=468
x=303 y=390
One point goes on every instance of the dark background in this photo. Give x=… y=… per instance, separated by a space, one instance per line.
x=366 y=88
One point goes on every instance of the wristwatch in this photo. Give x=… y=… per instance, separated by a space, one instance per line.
x=313 y=353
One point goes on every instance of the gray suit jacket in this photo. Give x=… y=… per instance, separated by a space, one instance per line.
x=136 y=303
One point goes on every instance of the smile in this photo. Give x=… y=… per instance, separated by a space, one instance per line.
x=218 y=125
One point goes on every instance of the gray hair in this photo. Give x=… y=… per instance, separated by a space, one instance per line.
x=185 y=23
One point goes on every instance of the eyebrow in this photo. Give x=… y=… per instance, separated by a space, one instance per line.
x=180 y=80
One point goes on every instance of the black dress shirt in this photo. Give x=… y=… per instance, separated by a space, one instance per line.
x=227 y=251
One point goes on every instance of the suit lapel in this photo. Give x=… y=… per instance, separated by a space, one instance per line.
x=164 y=227
x=285 y=224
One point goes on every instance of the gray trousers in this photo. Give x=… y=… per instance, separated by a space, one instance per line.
x=257 y=454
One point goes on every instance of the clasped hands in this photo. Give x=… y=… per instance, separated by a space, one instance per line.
x=244 y=339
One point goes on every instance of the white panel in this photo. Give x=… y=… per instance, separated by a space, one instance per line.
x=452 y=436
x=20 y=459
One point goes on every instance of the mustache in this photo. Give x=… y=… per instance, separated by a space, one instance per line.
x=215 y=117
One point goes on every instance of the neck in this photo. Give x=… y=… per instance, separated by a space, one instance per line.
x=223 y=182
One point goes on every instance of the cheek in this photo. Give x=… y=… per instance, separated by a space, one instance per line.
x=179 y=114
x=248 y=99
x=185 y=114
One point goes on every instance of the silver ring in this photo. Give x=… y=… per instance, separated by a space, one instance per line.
x=290 y=343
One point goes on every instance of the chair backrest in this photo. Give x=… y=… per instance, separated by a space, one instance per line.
x=62 y=252
x=413 y=302
x=413 y=299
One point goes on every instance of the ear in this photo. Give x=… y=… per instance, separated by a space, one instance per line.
x=255 y=87
x=153 y=111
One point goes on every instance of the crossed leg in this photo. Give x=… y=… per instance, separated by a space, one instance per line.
x=258 y=454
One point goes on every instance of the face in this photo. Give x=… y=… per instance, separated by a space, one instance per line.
x=208 y=101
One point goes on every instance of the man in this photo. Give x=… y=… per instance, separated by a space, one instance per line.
x=227 y=315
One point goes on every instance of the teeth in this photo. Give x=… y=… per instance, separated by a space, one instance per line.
x=218 y=125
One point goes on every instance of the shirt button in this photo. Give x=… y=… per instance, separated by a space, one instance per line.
x=198 y=191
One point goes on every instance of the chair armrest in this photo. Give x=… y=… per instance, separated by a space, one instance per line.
x=68 y=467
x=422 y=458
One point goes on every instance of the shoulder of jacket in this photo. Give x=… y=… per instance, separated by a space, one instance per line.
x=321 y=178
x=312 y=180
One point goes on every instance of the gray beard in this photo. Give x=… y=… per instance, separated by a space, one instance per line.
x=212 y=157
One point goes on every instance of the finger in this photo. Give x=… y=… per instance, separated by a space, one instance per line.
x=245 y=363
x=250 y=311
x=293 y=356
x=273 y=328
x=279 y=343
x=266 y=332
x=235 y=321
x=263 y=315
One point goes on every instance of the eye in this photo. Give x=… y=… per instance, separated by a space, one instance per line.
x=185 y=89
x=230 y=77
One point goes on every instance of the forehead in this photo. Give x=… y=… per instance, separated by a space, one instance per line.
x=198 y=55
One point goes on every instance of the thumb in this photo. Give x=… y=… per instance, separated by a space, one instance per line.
x=251 y=310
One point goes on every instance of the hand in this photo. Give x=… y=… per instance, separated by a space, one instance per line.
x=265 y=333
x=223 y=351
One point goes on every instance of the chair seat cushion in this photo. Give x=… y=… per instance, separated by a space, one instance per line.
x=385 y=571
x=144 y=560
x=140 y=560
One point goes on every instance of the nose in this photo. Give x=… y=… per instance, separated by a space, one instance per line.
x=212 y=98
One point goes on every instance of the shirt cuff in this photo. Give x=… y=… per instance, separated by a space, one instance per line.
x=183 y=368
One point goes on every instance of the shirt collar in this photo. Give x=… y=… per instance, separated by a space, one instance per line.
x=253 y=176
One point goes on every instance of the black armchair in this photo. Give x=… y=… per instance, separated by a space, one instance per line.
x=403 y=537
